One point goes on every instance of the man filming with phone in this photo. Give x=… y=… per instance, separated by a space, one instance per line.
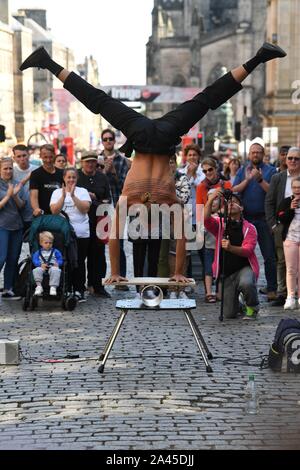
x=237 y=238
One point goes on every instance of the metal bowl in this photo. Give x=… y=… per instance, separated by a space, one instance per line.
x=152 y=296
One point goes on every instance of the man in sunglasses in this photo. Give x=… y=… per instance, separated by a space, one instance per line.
x=154 y=140
x=281 y=188
x=116 y=169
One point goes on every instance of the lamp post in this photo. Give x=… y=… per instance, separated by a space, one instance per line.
x=245 y=132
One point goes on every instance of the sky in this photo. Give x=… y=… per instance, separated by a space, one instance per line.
x=115 y=32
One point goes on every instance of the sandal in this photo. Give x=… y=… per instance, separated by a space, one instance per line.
x=210 y=299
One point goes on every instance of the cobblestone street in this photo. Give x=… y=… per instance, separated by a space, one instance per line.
x=154 y=393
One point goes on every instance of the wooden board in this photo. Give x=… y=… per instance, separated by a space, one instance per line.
x=156 y=281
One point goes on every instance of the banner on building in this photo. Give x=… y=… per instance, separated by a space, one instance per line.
x=151 y=93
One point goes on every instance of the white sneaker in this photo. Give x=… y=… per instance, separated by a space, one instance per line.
x=182 y=295
x=290 y=303
x=53 y=290
x=38 y=290
x=80 y=296
x=173 y=295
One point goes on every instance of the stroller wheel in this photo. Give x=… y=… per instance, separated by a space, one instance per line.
x=70 y=303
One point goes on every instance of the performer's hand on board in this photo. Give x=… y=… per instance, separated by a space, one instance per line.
x=179 y=278
x=115 y=278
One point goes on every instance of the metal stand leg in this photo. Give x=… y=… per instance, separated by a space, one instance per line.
x=199 y=339
x=208 y=353
x=104 y=356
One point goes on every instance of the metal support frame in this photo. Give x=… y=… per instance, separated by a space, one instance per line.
x=183 y=305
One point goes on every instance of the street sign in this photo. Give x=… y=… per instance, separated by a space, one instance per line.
x=270 y=135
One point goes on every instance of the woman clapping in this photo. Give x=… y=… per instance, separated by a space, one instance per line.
x=75 y=202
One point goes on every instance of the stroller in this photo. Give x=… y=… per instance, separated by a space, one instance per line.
x=65 y=242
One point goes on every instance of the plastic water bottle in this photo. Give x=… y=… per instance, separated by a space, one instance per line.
x=252 y=403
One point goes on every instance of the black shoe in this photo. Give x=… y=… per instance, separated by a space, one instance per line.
x=122 y=287
x=102 y=293
x=270 y=51
x=10 y=295
x=263 y=290
x=36 y=59
x=80 y=297
x=279 y=302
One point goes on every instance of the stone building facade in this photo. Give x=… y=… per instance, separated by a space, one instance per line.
x=56 y=113
x=282 y=103
x=7 y=112
x=194 y=41
x=23 y=83
x=33 y=103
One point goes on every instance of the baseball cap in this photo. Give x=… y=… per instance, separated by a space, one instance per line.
x=89 y=155
x=259 y=141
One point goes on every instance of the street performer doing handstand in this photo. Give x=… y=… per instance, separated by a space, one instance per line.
x=149 y=180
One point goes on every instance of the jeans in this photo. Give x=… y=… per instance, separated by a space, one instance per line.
x=10 y=243
x=240 y=281
x=209 y=254
x=266 y=244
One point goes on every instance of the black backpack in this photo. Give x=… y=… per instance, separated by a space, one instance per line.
x=284 y=354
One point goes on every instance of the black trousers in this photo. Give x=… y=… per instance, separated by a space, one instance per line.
x=123 y=264
x=79 y=274
x=96 y=263
x=139 y=250
x=153 y=135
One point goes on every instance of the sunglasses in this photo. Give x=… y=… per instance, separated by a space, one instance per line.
x=209 y=170
x=108 y=139
x=296 y=159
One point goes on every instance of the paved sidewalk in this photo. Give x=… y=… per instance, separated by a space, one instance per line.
x=154 y=393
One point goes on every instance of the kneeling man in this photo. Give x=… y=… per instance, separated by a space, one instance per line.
x=241 y=269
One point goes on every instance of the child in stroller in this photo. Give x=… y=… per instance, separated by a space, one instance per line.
x=59 y=235
x=47 y=260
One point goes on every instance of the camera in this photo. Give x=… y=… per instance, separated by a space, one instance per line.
x=227 y=194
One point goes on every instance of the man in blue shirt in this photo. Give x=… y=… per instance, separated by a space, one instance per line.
x=252 y=182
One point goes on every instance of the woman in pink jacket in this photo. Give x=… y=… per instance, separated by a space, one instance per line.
x=238 y=239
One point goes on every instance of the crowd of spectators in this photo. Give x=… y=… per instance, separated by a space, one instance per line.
x=269 y=198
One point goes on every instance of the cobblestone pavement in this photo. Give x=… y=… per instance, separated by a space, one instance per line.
x=154 y=393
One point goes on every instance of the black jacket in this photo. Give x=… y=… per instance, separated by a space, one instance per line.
x=285 y=215
x=275 y=196
x=99 y=185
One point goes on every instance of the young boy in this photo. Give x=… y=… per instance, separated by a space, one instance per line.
x=47 y=259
